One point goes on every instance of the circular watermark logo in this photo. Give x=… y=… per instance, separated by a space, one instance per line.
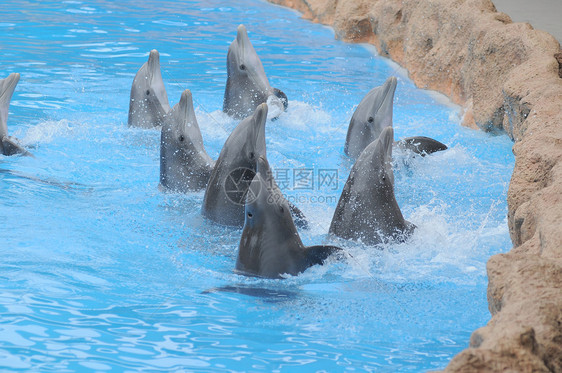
x=237 y=186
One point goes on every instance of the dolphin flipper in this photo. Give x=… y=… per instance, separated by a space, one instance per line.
x=298 y=217
x=282 y=96
x=318 y=253
x=11 y=147
x=421 y=145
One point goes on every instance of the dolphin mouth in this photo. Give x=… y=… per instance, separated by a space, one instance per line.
x=153 y=63
x=186 y=102
x=388 y=90
x=10 y=85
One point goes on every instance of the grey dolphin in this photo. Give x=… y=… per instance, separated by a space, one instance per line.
x=149 y=102
x=184 y=163
x=270 y=245
x=8 y=145
x=234 y=170
x=373 y=114
x=247 y=85
x=367 y=209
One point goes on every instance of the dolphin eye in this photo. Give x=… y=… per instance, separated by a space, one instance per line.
x=252 y=155
x=250 y=215
x=371 y=119
x=148 y=92
x=281 y=209
x=242 y=67
x=182 y=138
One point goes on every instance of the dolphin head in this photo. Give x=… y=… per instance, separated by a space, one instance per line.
x=244 y=61
x=376 y=108
x=7 y=87
x=270 y=243
x=180 y=131
x=182 y=153
x=247 y=85
x=149 y=100
x=247 y=141
x=265 y=203
x=372 y=115
x=234 y=170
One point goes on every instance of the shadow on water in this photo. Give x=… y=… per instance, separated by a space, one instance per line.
x=65 y=185
x=272 y=295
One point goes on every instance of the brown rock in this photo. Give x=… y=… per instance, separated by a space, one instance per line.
x=506 y=76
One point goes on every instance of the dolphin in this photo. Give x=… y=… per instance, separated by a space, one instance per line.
x=373 y=114
x=184 y=163
x=270 y=245
x=234 y=170
x=367 y=209
x=149 y=102
x=8 y=145
x=247 y=85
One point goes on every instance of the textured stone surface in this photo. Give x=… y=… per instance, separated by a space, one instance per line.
x=506 y=76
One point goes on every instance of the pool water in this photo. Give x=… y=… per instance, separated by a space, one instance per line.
x=101 y=271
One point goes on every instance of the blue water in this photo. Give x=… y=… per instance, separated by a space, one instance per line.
x=101 y=271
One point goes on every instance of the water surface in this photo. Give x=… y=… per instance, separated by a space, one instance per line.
x=102 y=271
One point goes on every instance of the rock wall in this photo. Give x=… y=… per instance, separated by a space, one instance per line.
x=506 y=76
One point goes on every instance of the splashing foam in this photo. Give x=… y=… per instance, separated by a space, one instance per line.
x=300 y=115
x=46 y=132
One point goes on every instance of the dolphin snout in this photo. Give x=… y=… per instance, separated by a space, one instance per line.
x=241 y=34
x=153 y=61
x=390 y=86
x=8 y=85
x=261 y=113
